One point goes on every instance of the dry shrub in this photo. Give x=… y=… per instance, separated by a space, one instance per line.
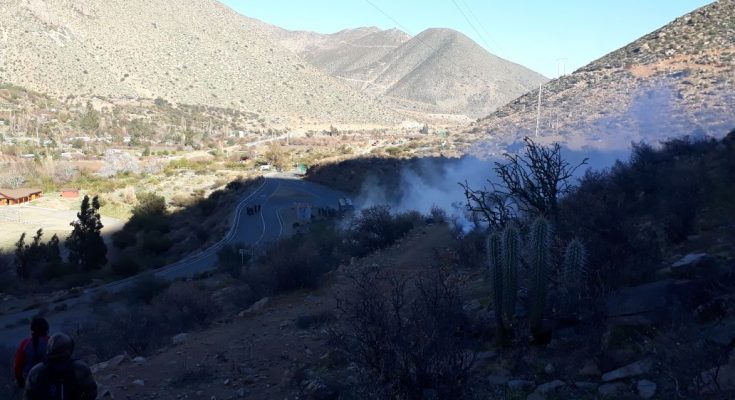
x=406 y=338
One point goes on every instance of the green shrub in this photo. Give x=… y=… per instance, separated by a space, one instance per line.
x=145 y=288
x=125 y=266
x=155 y=242
x=375 y=228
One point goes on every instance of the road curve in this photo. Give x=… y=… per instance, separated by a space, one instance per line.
x=276 y=194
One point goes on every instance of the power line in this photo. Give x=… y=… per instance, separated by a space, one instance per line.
x=479 y=22
x=482 y=37
x=436 y=51
x=466 y=18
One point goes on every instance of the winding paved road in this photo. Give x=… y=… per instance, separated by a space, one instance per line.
x=277 y=195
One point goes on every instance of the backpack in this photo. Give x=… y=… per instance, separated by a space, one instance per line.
x=35 y=354
x=59 y=382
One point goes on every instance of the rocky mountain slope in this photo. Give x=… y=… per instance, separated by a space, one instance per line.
x=437 y=71
x=194 y=52
x=679 y=79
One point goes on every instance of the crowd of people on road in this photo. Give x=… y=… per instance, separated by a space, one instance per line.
x=45 y=369
x=253 y=210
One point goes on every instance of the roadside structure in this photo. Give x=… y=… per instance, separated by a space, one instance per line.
x=70 y=192
x=9 y=197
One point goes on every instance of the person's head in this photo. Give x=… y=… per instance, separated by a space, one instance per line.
x=39 y=326
x=60 y=347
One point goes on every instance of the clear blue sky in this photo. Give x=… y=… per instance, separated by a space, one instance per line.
x=533 y=33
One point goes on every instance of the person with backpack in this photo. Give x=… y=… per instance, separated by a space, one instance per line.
x=32 y=350
x=60 y=377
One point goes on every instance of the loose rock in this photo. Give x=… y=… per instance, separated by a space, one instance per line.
x=181 y=338
x=630 y=370
x=646 y=389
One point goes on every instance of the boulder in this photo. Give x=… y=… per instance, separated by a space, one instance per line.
x=113 y=362
x=104 y=392
x=720 y=378
x=646 y=389
x=651 y=303
x=179 y=339
x=637 y=368
x=721 y=334
x=693 y=264
x=139 y=382
x=256 y=307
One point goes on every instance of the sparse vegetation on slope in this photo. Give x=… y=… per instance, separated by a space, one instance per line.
x=675 y=81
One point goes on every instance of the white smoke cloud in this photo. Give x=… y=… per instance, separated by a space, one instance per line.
x=653 y=116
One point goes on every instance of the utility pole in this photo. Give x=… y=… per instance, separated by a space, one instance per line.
x=538 y=109
x=561 y=66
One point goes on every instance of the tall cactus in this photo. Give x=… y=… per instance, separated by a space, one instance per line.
x=540 y=261
x=494 y=257
x=511 y=263
x=573 y=274
x=575 y=260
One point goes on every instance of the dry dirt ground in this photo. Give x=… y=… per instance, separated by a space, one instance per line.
x=255 y=355
x=51 y=213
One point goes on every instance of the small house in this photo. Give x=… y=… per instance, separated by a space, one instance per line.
x=69 y=193
x=10 y=197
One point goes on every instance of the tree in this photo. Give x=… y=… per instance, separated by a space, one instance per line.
x=87 y=250
x=119 y=162
x=37 y=259
x=90 y=120
x=150 y=214
x=53 y=251
x=424 y=129
x=489 y=205
x=21 y=259
x=536 y=179
x=276 y=157
x=531 y=182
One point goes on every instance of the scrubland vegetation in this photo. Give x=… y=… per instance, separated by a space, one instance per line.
x=531 y=295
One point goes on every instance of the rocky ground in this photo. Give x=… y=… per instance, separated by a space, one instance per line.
x=670 y=338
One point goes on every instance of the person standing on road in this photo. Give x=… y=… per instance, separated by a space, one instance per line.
x=31 y=351
x=60 y=377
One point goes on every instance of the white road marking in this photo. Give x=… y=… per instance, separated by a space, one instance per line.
x=262 y=218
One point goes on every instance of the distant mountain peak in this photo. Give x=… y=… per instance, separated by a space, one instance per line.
x=439 y=71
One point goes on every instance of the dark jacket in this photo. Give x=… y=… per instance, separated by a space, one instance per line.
x=60 y=376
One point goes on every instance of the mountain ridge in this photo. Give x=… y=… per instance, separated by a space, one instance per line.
x=677 y=80
x=199 y=52
x=404 y=68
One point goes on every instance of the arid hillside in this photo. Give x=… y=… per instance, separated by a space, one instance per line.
x=193 y=52
x=677 y=80
x=438 y=71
